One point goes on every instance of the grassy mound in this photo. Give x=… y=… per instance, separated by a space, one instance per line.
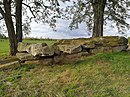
x=101 y=75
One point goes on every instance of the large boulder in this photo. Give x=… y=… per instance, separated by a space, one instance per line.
x=119 y=48
x=39 y=50
x=70 y=49
x=25 y=56
x=101 y=50
x=111 y=41
x=94 y=45
x=56 y=49
x=36 y=49
x=68 y=58
x=26 y=47
x=22 y=47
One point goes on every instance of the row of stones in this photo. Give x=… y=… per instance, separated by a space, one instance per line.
x=69 y=49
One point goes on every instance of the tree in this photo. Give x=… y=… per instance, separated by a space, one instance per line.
x=18 y=17
x=39 y=11
x=96 y=13
x=98 y=10
x=5 y=11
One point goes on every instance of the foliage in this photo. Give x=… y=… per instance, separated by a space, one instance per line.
x=116 y=11
x=40 y=11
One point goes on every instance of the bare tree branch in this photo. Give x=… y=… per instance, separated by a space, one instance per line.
x=2 y=12
x=1 y=18
x=30 y=9
x=1 y=3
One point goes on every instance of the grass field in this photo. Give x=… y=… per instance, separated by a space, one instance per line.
x=101 y=75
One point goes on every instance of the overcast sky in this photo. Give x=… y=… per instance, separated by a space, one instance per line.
x=63 y=31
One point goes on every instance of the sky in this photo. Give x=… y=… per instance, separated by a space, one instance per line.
x=64 y=32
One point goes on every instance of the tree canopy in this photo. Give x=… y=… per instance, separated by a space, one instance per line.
x=90 y=11
x=95 y=13
x=11 y=12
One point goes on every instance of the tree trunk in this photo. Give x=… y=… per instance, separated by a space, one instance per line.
x=10 y=28
x=19 y=20
x=98 y=9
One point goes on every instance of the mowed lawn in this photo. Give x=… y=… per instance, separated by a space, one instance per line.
x=101 y=75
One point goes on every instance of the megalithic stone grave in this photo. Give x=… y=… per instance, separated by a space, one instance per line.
x=69 y=50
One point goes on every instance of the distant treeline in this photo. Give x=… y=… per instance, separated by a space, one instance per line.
x=2 y=36
x=48 y=39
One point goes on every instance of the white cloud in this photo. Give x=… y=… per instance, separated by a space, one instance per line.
x=63 y=32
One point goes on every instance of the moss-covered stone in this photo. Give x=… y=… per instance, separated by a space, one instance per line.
x=70 y=48
x=25 y=56
x=98 y=41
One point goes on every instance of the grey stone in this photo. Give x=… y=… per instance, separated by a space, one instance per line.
x=70 y=49
x=41 y=50
x=106 y=41
x=45 y=61
x=119 y=48
x=25 y=56
x=128 y=48
x=56 y=49
x=68 y=58
x=11 y=65
x=48 y=51
x=22 y=47
x=100 y=50
x=27 y=47
x=88 y=46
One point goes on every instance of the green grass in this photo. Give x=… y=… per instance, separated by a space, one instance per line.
x=4 y=44
x=4 y=47
x=101 y=75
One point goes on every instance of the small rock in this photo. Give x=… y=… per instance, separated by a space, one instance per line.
x=46 y=61
x=11 y=65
